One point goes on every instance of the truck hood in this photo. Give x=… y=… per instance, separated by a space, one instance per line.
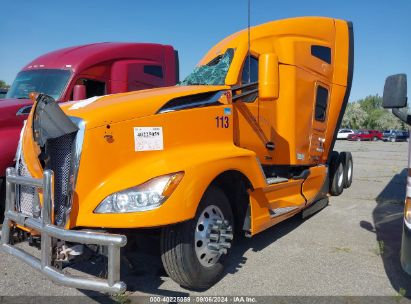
x=9 y=109
x=109 y=109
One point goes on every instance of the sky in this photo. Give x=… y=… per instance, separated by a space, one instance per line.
x=382 y=29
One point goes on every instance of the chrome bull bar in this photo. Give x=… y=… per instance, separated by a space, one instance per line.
x=48 y=231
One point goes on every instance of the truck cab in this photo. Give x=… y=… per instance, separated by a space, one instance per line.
x=78 y=73
x=243 y=143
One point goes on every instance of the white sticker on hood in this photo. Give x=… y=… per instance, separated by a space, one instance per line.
x=82 y=103
x=148 y=139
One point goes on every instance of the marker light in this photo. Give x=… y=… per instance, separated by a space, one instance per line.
x=147 y=196
x=33 y=96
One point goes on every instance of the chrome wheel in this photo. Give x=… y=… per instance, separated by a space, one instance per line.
x=213 y=236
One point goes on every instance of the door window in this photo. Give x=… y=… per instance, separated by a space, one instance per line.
x=250 y=75
x=321 y=103
x=250 y=70
x=93 y=87
x=321 y=52
x=154 y=70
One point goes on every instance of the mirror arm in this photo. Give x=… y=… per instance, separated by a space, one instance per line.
x=244 y=86
x=404 y=117
x=245 y=94
x=249 y=86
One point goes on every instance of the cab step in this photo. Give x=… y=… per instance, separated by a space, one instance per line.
x=280 y=211
x=276 y=180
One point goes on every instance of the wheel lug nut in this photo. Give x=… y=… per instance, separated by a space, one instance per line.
x=225 y=245
x=213 y=246
x=213 y=236
x=227 y=236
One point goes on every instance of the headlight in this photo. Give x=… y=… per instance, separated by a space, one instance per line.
x=147 y=196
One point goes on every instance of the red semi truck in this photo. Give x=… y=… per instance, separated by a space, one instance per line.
x=78 y=73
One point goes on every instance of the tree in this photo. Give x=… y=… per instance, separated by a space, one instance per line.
x=370 y=103
x=4 y=85
x=389 y=121
x=373 y=118
x=354 y=117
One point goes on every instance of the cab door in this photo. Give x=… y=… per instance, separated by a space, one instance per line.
x=319 y=121
x=252 y=123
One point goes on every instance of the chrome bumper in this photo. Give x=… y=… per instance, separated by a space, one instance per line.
x=48 y=232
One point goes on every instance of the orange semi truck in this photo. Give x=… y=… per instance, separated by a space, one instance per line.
x=243 y=143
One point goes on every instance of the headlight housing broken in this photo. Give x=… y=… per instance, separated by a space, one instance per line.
x=147 y=196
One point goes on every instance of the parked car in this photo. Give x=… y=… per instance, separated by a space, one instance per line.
x=373 y=135
x=343 y=133
x=395 y=135
x=3 y=93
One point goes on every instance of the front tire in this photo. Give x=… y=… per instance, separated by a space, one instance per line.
x=194 y=252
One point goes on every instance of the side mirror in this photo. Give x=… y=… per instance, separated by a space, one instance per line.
x=395 y=92
x=268 y=82
x=79 y=92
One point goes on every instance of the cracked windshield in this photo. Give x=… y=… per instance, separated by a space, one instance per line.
x=212 y=73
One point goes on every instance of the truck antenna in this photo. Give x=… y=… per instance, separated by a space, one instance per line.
x=249 y=54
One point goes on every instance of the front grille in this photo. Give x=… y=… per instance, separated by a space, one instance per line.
x=25 y=194
x=59 y=159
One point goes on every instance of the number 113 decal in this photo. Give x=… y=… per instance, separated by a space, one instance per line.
x=222 y=122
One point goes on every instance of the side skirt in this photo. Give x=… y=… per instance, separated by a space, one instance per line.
x=315 y=207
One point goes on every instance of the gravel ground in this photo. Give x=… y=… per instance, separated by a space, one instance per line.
x=350 y=248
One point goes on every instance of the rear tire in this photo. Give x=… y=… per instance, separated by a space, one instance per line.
x=347 y=160
x=336 y=174
x=2 y=198
x=185 y=251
